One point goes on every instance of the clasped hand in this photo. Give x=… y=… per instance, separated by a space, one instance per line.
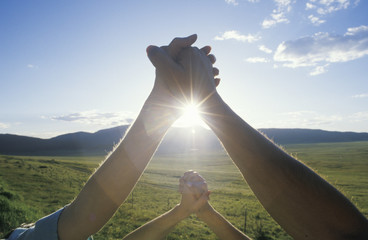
x=184 y=74
x=194 y=194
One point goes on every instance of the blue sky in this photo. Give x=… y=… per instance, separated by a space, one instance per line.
x=69 y=66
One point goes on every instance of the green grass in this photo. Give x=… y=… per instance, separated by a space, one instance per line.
x=31 y=187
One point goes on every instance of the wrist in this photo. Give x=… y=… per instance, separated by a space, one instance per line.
x=157 y=116
x=213 y=107
x=161 y=103
x=182 y=212
x=205 y=212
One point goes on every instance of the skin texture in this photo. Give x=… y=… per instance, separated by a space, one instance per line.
x=304 y=204
x=194 y=199
x=112 y=182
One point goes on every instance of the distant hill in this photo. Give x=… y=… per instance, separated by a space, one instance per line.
x=177 y=140
x=79 y=143
x=295 y=135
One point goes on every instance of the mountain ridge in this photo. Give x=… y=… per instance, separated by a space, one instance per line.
x=177 y=140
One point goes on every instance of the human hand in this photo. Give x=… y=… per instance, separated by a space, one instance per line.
x=195 y=194
x=181 y=74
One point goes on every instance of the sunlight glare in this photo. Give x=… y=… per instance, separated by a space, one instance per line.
x=190 y=117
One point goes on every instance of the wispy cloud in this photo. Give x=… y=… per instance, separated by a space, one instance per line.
x=309 y=6
x=257 y=60
x=94 y=117
x=31 y=66
x=362 y=95
x=3 y=125
x=310 y=119
x=323 y=7
x=359 y=117
x=319 y=70
x=278 y=15
x=316 y=20
x=323 y=48
x=265 y=49
x=303 y=119
x=314 y=119
x=237 y=36
x=330 y=6
x=232 y=2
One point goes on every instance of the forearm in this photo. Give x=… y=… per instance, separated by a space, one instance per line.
x=296 y=197
x=159 y=227
x=219 y=225
x=109 y=186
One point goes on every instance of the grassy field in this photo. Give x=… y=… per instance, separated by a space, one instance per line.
x=31 y=187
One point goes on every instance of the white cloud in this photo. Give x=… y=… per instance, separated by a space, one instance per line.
x=323 y=48
x=321 y=8
x=303 y=119
x=94 y=117
x=233 y=2
x=257 y=60
x=359 y=117
x=310 y=119
x=309 y=6
x=3 y=125
x=278 y=14
x=31 y=66
x=363 y=95
x=263 y=48
x=319 y=70
x=237 y=36
x=357 y=30
x=316 y=20
x=329 y=6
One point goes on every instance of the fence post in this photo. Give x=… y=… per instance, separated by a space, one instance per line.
x=245 y=220
x=132 y=199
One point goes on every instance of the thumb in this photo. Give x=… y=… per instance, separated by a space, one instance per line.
x=177 y=44
x=160 y=59
x=204 y=198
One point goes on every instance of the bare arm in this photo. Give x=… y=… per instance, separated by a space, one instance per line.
x=109 y=186
x=112 y=182
x=303 y=203
x=159 y=227
x=197 y=187
x=219 y=225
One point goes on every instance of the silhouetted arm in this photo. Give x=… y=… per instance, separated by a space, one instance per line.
x=112 y=182
x=159 y=227
x=196 y=185
x=223 y=229
x=303 y=203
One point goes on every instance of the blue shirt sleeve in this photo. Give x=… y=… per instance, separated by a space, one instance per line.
x=44 y=229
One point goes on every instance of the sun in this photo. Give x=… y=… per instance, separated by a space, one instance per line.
x=190 y=117
x=191 y=111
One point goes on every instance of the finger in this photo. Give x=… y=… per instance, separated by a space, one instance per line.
x=208 y=194
x=206 y=49
x=160 y=59
x=215 y=71
x=205 y=197
x=178 y=44
x=212 y=58
x=217 y=81
x=195 y=177
x=188 y=174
